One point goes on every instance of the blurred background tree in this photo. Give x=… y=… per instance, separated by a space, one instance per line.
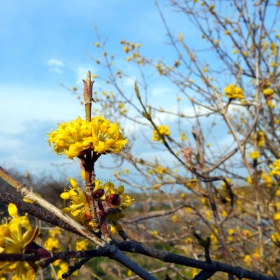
x=212 y=130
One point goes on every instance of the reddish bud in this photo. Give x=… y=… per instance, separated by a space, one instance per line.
x=98 y=193
x=113 y=199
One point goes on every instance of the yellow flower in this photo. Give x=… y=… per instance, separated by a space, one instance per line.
x=174 y=219
x=247 y=259
x=12 y=209
x=99 y=135
x=268 y=91
x=270 y=104
x=126 y=49
x=246 y=233
x=183 y=137
x=254 y=155
x=163 y=130
x=194 y=272
x=223 y=184
x=203 y=201
x=155 y=232
x=275 y=237
x=15 y=236
x=276 y=216
x=52 y=244
x=63 y=269
x=224 y=213
x=273 y=64
x=267 y=179
x=126 y=171
x=121 y=105
x=79 y=207
x=81 y=245
x=277 y=193
x=226 y=32
x=250 y=181
x=188 y=240
x=230 y=231
x=234 y=92
x=260 y=138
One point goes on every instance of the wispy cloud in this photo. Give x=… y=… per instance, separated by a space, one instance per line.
x=55 y=65
x=54 y=62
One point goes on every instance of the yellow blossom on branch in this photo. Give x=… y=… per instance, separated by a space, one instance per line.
x=254 y=155
x=174 y=219
x=247 y=259
x=15 y=236
x=250 y=181
x=183 y=136
x=276 y=216
x=233 y=91
x=260 y=138
x=99 y=135
x=268 y=91
x=275 y=237
x=163 y=130
x=82 y=245
x=52 y=244
x=266 y=179
x=275 y=168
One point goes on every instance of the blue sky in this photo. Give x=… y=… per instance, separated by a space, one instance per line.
x=43 y=42
x=46 y=42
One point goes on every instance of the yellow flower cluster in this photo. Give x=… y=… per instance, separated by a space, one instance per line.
x=260 y=138
x=267 y=91
x=52 y=244
x=233 y=91
x=63 y=268
x=81 y=245
x=275 y=168
x=163 y=130
x=266 y=179
x=14 y=238
x=99 y=135
x=79 y=207
x=275 y=237
x=223 y=184
x=183 y=136
x=254 y=155
x=133 y=49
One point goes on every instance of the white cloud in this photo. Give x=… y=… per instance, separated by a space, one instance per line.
x=54 y=62
x=55 y=65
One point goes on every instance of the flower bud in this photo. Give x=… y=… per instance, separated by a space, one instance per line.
x=113 y=199
x=98 y=193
